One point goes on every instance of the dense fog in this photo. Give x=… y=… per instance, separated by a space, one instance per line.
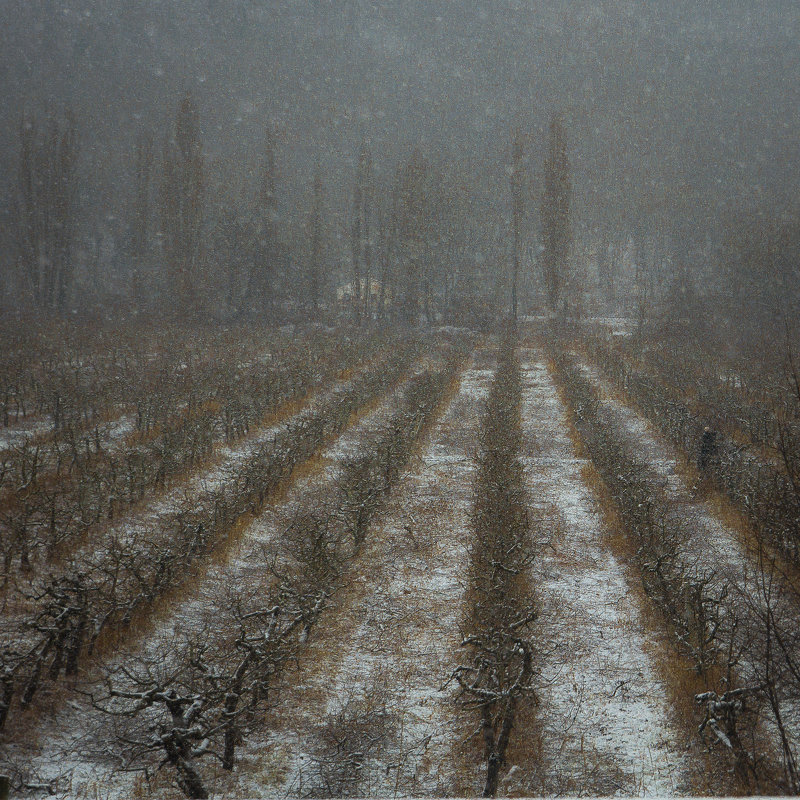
x=399 y=399
x=681 y=123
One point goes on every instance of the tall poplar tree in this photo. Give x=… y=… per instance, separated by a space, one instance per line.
x=361 y=233
x=262 y=283
x=140 y=221
x=556 y=233
x=315 y=237
x=182 y=205
x=413 y=223
x=517 y=210
x=44 y=209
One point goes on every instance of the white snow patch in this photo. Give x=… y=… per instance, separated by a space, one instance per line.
x=402 y=633
x=603 y=707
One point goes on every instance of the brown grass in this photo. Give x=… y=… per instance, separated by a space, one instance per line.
x=145 y=620
x=673 y=666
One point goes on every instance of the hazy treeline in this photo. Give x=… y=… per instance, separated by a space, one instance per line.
x=258 y=158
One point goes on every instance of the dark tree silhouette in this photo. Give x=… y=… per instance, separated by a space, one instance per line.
x=360 y=233
x=556 y=233
x=263 y=279
x=517 y=209
x=315 y=242
x=143 y=174
x=413 y=221
x=44 y=209
x=182 y=205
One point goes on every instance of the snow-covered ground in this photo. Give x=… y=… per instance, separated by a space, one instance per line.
x=69 y=746
x=604 y=716
x=108 y=433
x=367 y=708
x=17 y=434
x=712 y=548
x=384 y=660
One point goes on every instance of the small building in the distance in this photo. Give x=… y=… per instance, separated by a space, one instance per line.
x=377 y=292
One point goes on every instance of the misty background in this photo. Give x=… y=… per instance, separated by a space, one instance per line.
x=681 y=119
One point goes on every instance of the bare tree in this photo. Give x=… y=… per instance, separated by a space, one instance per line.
x=44 y=209
x=171 y=716
x=315 y=244
x=143 y=173
x=413 y=220
x=263 y=285
x=517 y=209
x=182 y=205
x=360 y=234
x=498 y=671
x=555 y=214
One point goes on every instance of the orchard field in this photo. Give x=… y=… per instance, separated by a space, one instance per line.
x=349 y=562
x=399 y=399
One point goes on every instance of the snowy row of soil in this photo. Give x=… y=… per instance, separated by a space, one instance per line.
x=365 y=712
x=55 y=620
x=290 y=558
x=725 y=608
x=605 y=724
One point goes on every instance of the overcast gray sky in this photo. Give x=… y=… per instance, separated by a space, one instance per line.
x=663 y=99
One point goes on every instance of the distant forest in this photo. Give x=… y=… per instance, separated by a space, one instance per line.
x=228 y=160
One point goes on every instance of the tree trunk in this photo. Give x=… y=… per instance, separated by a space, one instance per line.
x=190 y=781
x=232 y=734
x=7 y=686
x=492 y=758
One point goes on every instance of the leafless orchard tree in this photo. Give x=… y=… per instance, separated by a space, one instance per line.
x=698 y=607
x=498 y=669
x=201 y=704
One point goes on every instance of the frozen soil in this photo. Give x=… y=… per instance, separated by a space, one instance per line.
x=367 y=711
x=70 y=748
x=604 y=722
x=711 y=548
